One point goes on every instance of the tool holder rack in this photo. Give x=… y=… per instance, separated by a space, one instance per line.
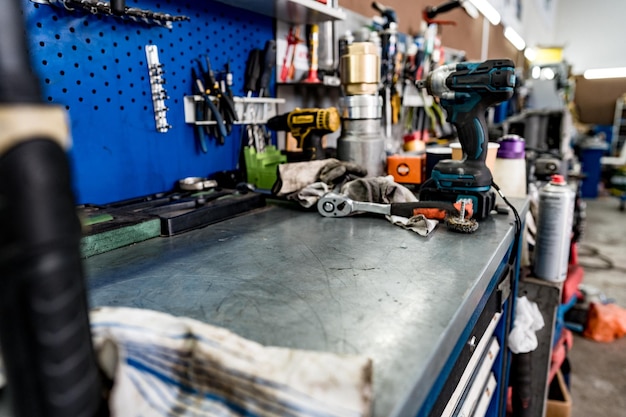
x=250 y=110
x=95 y=67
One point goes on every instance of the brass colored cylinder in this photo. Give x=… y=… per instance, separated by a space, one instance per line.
x=360 y=69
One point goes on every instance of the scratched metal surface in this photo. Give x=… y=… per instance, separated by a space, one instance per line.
x=284 y=277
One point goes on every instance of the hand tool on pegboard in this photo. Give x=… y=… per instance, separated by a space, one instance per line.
x=207 y=110
x=269 y=62
x=225 y=103
x=258 y=76
x=227 y=84
x=117 y=8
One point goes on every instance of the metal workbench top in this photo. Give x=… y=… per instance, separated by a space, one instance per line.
x=284 y=277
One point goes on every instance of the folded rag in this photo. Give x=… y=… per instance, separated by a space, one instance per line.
x=528 y=320
x=163 y=365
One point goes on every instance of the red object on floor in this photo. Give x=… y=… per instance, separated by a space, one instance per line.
x=575 y=275
x=559 y=352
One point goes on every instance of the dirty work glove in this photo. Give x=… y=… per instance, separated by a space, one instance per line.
x=336 y=172
x=294 y=176
x=308 y=196
x=377 y=190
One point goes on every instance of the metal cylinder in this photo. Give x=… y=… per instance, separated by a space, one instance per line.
x=360 y=69
x=554 y=230
x=361 y=107
x=361 y=142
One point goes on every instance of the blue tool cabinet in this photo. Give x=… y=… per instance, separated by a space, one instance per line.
x=95 y=66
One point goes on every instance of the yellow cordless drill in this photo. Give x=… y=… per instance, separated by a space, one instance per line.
x=308 y=126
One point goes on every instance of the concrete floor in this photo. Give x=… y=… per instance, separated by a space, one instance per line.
x=598 y=376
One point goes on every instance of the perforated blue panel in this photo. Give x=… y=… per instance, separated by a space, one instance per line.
x=96 y=67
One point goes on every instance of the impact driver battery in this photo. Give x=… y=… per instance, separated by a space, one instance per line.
x=483 y=201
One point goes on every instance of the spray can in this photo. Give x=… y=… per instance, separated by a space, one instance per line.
x=554 y=230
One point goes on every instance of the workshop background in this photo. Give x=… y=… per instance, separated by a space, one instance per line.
x=97 y=67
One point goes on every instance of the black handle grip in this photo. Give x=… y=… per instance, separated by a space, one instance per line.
x=408 y=209
x=118 y=7
x=472 y=131
x=253 y=70
x=312 y=147
x=44 y=330
x=432 y=12
x=269 y=62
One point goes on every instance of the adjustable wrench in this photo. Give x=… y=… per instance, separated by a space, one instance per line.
x=337 y=205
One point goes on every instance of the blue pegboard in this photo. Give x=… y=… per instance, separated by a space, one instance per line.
x=96 y=67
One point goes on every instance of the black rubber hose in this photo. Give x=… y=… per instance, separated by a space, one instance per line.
x=18 y=84
x=45 y=333
x=44 y=327
x=521 y=382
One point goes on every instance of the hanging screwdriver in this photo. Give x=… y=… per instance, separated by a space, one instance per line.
x=269 y=62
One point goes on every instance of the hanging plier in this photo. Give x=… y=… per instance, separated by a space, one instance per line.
x=225 y=103
x=207 y=110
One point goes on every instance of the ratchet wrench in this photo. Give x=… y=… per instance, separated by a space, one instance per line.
x=337 y=205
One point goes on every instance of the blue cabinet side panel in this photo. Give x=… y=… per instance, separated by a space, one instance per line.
x=95 y=66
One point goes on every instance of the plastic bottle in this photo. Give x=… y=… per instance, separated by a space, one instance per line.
x=510 y=167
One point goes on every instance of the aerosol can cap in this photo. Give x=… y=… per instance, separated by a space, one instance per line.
x=557 y=179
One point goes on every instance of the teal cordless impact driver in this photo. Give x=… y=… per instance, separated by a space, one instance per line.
x=466 y=90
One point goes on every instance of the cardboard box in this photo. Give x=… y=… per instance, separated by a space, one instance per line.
x=595 y=99
x=559 y=402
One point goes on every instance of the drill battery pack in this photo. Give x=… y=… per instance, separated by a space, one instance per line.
x=483 y=201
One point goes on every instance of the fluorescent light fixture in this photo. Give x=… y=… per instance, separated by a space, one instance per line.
x=595 y=74
x=487 y=10
x=547 y=73
x=530 y=54
x=535 y=72
x=514 y=38
x=470 y=9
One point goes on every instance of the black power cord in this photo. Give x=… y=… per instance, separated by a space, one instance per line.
x=606 y=263
x=518 y=223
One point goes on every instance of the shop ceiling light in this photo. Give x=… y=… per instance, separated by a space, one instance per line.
x=530 y=54
x=599 y=73
x=547 y=73
x=535 y=72
x=514 y=38
x=487 y=10
x=470 y=9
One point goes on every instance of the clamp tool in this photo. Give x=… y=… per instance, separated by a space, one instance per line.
x=203 y=110
x=225 y=105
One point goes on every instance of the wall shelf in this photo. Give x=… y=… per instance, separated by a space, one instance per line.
x=294 y=11
x=250 y=110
